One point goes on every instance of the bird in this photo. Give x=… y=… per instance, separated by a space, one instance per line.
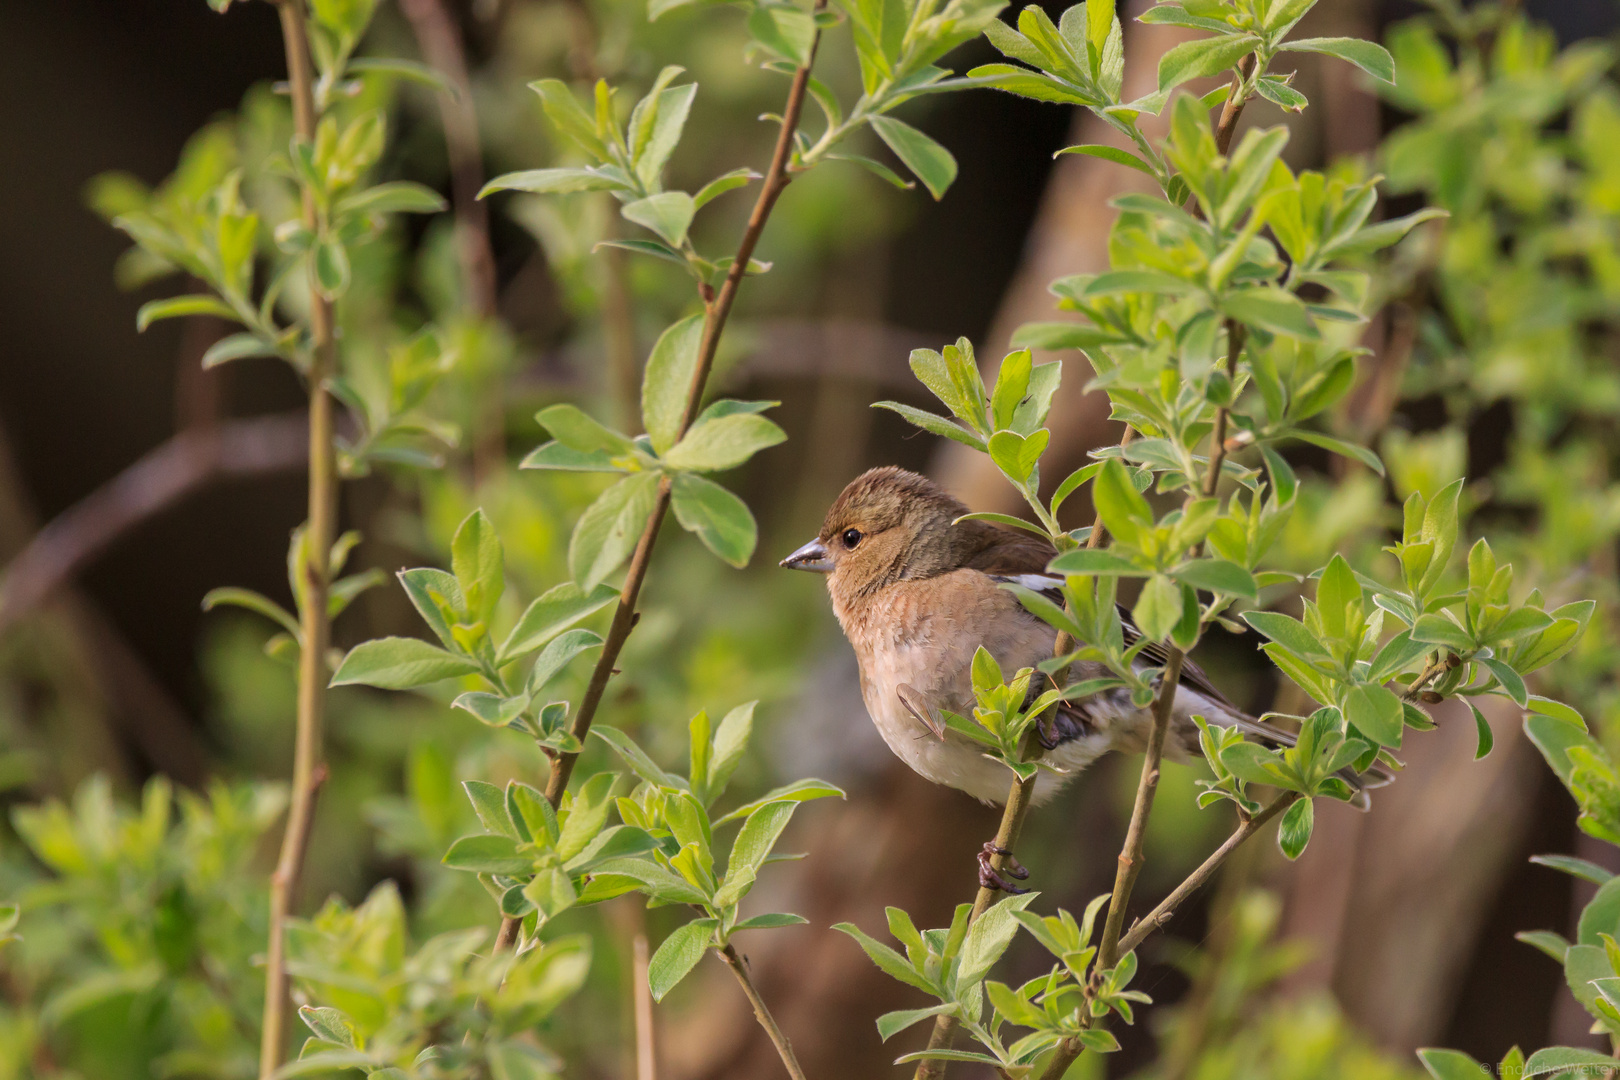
x=917 y=589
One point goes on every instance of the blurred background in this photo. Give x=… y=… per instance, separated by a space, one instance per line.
x=132 y=482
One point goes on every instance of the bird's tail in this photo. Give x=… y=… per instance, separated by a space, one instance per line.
x=1375 y=777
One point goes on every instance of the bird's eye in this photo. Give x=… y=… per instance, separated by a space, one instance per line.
x=851 y=538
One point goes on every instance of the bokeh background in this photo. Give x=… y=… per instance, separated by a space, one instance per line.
x=1402 y=920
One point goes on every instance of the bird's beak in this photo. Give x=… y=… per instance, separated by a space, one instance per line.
x=813 y=556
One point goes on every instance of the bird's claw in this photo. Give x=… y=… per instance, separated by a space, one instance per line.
x=1048 y=736
x=990 y=877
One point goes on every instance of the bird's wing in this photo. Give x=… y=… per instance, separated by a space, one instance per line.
x=1003 y=551
x=1153 y=653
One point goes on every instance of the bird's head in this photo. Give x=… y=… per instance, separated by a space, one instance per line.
x=888 y=524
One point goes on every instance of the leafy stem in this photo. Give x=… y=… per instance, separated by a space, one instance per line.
x=314 y=616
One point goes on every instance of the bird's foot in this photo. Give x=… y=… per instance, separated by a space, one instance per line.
x=990 y=877
x=1047 y=734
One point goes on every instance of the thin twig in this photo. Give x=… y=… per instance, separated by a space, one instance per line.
x=1232 y=111
x=1130 y=855
x=315 y=622
x=1160 y=915
x=1070 y=1049
x=1099 y=532
x=164 y=476
x=1235 y=334
x=784 y=1050
x=717 y=311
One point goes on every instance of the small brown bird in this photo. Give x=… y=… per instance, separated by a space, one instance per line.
x=917 y=592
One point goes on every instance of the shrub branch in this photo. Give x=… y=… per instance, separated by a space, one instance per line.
x=316 y=624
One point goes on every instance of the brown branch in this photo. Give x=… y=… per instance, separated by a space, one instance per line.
x=1235 y=334
x=315 y=623
x=1130 y=855
x=1232 y=111
x=163 y=477
x=717 y=310
x=1070 y=1049
x=439 y=40
x=784 y=1050
x=1160 y=915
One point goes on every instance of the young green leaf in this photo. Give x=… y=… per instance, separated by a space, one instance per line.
x=395 y=663
x=929 y=161
x=678 y=955
x=609 y=529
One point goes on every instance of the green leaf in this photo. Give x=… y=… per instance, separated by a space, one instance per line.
x=937 y=425
x=331 y=264
x=578 y=430
x=252 y=601
x=1601 y=915
x=888 y=961
x=1482 y=729
x=1017 y=455
x=1158 y=608
x=1097 y=561
x=237 y=347
x=635 y=757
x=667 y=383
x=723 y=442
x=876 y=168
x=798 y=791
x=1510 y=680
x=487 y=855
x=1204 y=57
x=1369 y=56
x=489 y=803
x=730 y=181
x=1376 y=712
x=1122 y=508
x=754 y=842
x=555 y=611
x=1338 y=446
x=394 y=197
x=177 y=306
x=669 y=214
x=1435 y=628
x=653 y=146
x=1110 y=153
x=1295 y=831
x=1581 y=868
x=1217 y=575
x=988 y=938
x=1451 y=1065
x=1270 y=308
x=558 y=654
x=929 y=161
x=610 y=527
x=1559 y=1058
x=772 y=921
x=328 y=1024
x=396 y=663
x=479 y=564
x=554 y=182
x=1288 y=632
x=789 y=32
x=678 y=955
x=402 y=69
x=892 y=1023
x=716 y=516
x=1548 y=942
